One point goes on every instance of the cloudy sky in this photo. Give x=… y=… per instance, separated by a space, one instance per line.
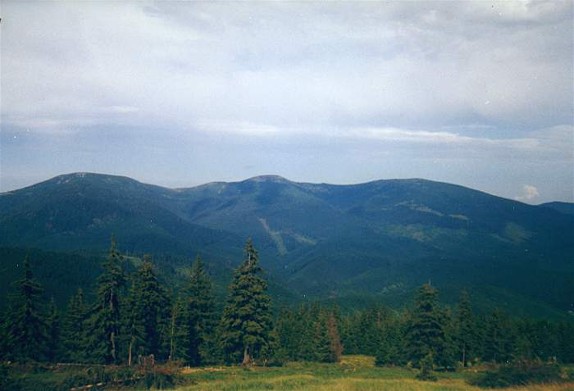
x=180 y=93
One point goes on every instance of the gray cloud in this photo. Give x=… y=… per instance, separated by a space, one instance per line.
x=454 y=80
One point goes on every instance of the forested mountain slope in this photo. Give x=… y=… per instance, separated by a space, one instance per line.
x=379 y=239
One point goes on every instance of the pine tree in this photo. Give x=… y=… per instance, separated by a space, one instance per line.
x=73 y=328
x=104 y=324
x=177 y=331
x=335 y=346
x=148 y=313
x=498 y=338
x=246 y=322
x=390 y=349
x=327 y=342
x=465 y=332
x=200 y=321
x=425 y=333
x=320 y=340
x=133 y=327
x=27 y=328
x=54 y=349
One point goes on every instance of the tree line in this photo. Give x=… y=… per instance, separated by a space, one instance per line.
x=135 y=320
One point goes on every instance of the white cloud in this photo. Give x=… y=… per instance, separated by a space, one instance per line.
x=529 y=193
x=290 y=63
x=470 y=81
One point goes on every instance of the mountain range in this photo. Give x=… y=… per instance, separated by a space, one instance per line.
x=350 y=243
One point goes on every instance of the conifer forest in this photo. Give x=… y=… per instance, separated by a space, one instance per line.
x=137 y=321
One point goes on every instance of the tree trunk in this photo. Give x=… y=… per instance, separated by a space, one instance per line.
x=113 y=342
x=246 y=356
x=172 y=335
x=130 y=352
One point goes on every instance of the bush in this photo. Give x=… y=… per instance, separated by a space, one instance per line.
x=7 y=381
x=519 y=374
x=427 y=366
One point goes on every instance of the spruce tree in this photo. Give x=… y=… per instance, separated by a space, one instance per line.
x=335 y=346
x=246 y=322
x=177 y=331
x=498 y=338
x=73 y=328
x=390 y=349
x=327 y=342
x=200 y=321
x=27 y=327
x=465 y=331
x=425 y=332
x=53 y=324
x=104 y=324
x=148 y=313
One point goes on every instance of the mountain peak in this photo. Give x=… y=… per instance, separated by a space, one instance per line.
x=268 y=178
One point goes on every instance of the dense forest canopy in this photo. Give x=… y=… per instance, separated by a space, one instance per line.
x=132 y=314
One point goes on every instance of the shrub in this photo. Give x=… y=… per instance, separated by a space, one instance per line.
x=519 y=374
x=427 y=366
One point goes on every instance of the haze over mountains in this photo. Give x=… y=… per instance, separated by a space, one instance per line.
x=350 y=242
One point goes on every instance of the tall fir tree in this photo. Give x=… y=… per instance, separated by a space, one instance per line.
x=199 y=315
x=177 y=331
x=425 y=333
x=498 y=339
x=27 y=326
x=148 y=313
x=105 y=322
x=327 y=342
x=246 y=324
x=390 y=350
x=465 y=333
x=53 y=324
x=73 y=328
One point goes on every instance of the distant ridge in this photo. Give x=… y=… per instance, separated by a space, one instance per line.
x=379 y=239
x=562 y=207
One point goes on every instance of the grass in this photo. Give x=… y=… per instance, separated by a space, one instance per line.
x=353 y=373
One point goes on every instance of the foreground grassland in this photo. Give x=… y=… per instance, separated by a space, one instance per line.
x=356 y=373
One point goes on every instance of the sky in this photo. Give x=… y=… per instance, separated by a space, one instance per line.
x=181 y=93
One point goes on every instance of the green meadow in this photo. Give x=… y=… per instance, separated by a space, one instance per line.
x=357 y=373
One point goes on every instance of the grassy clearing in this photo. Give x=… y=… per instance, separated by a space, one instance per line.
x=354 y=373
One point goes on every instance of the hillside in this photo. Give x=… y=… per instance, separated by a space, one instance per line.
x=351 y=242
x=562 y=207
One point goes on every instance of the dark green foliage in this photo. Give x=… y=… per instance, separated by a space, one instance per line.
x=390 y=350
x=54 y=341
x=177 y=331
x=565 y=333
x=146 y=322
x=60 y=274
x=148 y=314
x=105 y=322
x=427 y=368
x=520 y=373
x=246 y=324
x=465 y=332
x=199 y=316
x=73 y=328
x=394 y=231
x=66 y=377
x=326 y=342
x=499 y=338
x=426 y=329
x=4 y=338
x=309 y=333
x=27 y=328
